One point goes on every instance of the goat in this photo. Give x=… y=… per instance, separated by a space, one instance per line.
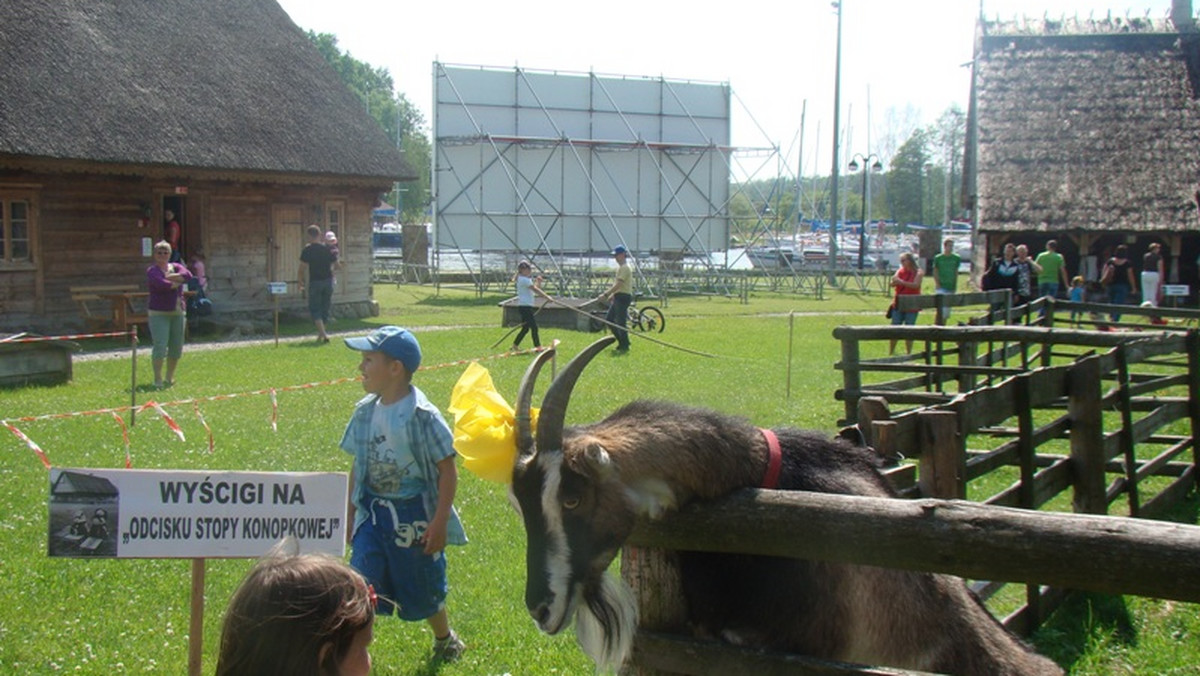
x=580 y=490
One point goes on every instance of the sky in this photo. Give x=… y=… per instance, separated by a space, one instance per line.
x=903 y=62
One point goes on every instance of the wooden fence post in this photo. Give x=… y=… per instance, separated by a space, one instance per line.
x=1125 y=435
x=851 y=378
x=1032 y=616
x=1087 y=437
x=877 y=427
x=1192 y=344
x=943 y=459
x=968 y=355
x=653 y=576
x=1026 y=450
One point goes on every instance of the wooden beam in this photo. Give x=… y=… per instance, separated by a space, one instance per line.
x=1111 y=555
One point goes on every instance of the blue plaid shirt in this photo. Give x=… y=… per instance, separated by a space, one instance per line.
x=430 y=440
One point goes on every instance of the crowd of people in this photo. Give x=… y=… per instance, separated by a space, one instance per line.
x=1118 y=283
x=1031 y=277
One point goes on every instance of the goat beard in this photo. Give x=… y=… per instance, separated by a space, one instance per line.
x=606 y=621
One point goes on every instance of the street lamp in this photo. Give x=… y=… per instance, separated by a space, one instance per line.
x=866 y=196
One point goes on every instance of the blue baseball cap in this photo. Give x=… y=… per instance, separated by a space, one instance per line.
x=620 y=249
x=397 y=343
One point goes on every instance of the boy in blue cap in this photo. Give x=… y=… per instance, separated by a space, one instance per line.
x=402 y=487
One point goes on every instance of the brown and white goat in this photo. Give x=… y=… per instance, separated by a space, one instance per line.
x=580 y=490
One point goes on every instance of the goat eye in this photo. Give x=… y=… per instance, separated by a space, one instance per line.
x=570 y=503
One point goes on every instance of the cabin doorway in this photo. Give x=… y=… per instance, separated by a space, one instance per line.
x=287 y=240
x=178 y=214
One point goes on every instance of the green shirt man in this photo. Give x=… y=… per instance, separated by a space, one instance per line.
x=945 y=269
x=1054 y=267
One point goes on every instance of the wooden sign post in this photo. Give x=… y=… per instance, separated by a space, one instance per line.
x=189 y=514
x=277 y=289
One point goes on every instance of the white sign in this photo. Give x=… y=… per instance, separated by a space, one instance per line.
x=277 y=288
x=128 y=513
x=1175 y=289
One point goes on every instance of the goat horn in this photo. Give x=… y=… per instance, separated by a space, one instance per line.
x=525 y=400
x=554 y=404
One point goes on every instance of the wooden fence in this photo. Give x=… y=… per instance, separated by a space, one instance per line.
x=1081 y=419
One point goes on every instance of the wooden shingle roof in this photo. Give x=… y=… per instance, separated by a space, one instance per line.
x=1093 y=129
x=227 y=85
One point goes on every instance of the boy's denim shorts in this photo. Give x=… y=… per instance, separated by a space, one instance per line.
x=387 y=552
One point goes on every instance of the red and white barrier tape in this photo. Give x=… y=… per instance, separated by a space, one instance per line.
x=174 y=426
x=208 y=429
x=30 y=443
x=166 y=418
x=73 y=336
x=125 y=436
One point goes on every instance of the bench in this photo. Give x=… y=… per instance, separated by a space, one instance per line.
x=109 y=306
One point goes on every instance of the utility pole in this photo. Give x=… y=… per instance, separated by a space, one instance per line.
x=837 y=106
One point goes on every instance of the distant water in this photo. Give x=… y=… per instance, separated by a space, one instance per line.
x=456 y=260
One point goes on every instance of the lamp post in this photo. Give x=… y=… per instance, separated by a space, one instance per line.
x=867 y=168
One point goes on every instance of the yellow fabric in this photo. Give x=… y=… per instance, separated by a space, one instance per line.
x=485 y=432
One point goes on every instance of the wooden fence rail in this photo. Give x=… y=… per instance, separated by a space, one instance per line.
x=1107 y=554
x=1091 y=405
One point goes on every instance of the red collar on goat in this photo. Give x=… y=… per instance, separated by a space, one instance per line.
x=774 y=459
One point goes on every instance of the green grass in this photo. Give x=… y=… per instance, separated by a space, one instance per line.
x=114 y=616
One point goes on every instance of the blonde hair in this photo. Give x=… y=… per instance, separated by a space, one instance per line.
x=287 y=609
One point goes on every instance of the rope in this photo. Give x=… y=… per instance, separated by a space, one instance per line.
x=641 y=336
x=510 y=331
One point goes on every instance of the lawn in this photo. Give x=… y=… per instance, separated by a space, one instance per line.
x=112 y=616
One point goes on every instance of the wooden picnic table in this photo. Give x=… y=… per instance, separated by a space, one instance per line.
x=123 y=314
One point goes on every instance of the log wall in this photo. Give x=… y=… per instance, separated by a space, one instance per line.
x=89 y=230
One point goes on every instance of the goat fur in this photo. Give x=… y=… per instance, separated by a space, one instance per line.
x=649 y=457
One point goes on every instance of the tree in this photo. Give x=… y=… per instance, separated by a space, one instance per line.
x=906 y=178
x=399 y=119
x=948 y=134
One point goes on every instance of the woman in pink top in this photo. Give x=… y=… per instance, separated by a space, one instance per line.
x=166 y=281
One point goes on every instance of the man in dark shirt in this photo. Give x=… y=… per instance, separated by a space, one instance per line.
x=316 y=266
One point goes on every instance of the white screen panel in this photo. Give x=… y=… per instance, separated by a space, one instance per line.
x=528 y=189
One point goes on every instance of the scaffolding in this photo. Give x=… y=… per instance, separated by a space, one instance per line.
x=559 y=168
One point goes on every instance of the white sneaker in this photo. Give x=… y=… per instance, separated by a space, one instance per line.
x=448 y=649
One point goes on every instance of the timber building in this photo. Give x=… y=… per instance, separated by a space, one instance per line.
x=1087 y=130
x=112 y=113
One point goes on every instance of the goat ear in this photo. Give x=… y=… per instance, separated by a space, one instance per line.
x=853 y=434
x=596 y=462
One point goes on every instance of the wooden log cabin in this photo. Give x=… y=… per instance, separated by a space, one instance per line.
x=113 y=114
x=1085 y=130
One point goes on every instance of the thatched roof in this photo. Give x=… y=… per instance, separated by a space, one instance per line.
x=203 y=84
x=1091 y=127
x=75 y=483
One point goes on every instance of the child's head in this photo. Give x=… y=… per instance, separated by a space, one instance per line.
x=524 y=268
x=391 y=355
x=331 y=238
x=1077 y=281
x=294 y=613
